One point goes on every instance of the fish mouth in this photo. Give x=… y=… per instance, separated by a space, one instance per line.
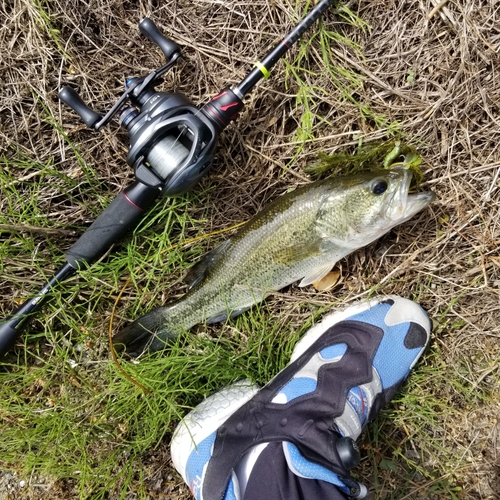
x=402 y=205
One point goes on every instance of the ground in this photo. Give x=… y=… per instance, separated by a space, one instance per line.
x=424 y=72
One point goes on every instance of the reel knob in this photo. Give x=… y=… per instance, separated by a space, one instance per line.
x=74 y=101
x=148 y=28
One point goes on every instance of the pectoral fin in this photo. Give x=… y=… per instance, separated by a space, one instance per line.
x=317 y=274
x=197 y=273
x=297 y=253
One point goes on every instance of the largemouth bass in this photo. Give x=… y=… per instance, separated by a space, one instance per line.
x=300 y=236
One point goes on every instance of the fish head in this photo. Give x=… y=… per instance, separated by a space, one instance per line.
x=368 y=205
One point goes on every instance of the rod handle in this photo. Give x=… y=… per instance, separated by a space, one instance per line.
x=120 y=216
x=12 y=327
x=8 y=336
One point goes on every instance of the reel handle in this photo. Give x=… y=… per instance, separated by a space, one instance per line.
x=148 y=28
x=74 y=101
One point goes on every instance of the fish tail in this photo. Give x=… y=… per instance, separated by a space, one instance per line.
x=150 y=332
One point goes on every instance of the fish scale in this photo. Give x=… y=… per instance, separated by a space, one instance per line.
x=299 y=236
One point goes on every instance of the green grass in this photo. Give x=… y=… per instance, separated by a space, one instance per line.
x=67 y=411
x=40 y=10
x=85 y=417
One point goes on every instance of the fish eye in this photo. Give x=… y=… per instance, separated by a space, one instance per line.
x=379 y=187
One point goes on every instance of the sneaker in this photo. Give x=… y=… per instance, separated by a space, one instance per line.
x=342 y=372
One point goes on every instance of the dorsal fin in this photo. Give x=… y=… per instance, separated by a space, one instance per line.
x=197 y=273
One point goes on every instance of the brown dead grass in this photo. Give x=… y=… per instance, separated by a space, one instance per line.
x=438 y=78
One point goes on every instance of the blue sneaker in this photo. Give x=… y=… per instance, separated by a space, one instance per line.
x=342 y=372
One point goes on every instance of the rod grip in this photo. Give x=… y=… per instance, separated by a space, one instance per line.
x=121 y=215
x=12 y=327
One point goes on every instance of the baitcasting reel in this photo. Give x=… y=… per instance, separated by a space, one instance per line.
x=172 y=144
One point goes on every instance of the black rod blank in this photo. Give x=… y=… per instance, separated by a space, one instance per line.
x=262 y=69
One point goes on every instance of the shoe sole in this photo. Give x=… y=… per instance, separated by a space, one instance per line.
x=205 y=419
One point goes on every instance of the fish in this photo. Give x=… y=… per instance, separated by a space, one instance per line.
x=298 y=236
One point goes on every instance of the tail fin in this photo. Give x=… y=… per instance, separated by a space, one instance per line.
x=148 y=333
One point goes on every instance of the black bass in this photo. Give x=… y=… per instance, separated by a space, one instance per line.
x=300 y=236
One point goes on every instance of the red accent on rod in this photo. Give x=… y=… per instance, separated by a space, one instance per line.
x=131 y=202
x=215 y=114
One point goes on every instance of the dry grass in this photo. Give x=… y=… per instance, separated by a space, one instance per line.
x=434 y=80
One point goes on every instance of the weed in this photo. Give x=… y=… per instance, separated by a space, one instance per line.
x=344 y=79
x=40 y=10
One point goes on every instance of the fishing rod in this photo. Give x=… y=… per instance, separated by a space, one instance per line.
x=172 y=145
